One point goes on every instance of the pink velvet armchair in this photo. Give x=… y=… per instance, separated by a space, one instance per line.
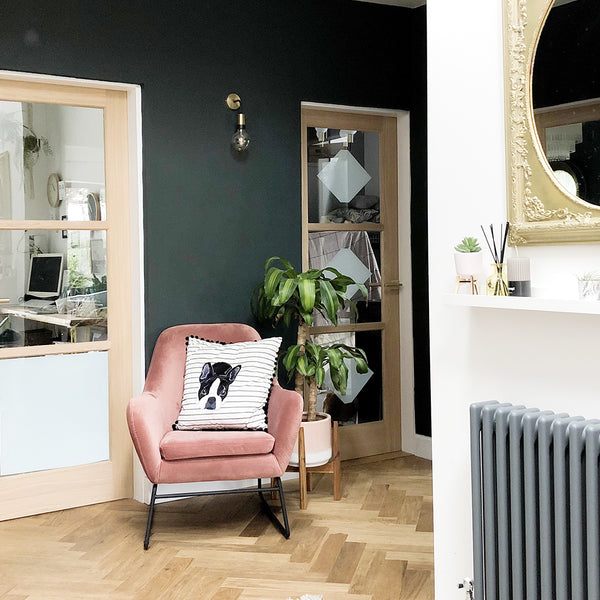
x=169 y=456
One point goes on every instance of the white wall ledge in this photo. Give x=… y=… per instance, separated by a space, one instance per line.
x=518 y=303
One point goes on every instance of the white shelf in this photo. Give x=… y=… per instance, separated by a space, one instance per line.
x=518 y=303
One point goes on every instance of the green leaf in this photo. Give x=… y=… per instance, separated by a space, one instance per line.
x=307 y=317
x=334 y=271
x=363 y=289
x=291 y=357
x=348 y=303
x=343 y=281
x=304 y=366
x=306 y=288
x=361 y=364
x=272 y=278
x=339 y=378
x=329 y=300
x=313 y=274
x=335 y=357
x=286 y=288
x=319 y=376
x=287 y=316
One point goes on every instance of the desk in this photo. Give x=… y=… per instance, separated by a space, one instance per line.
x=71 y=322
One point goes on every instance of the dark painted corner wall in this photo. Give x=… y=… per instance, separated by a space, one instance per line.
x=212 y=218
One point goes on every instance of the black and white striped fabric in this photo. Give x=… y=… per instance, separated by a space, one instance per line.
x=227 y=385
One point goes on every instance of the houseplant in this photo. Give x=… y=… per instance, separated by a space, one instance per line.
x=311 y=360
x=288 y=296
x=467 y=258
x=32 y=144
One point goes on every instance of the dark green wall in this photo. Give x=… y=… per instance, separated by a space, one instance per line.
x=211 y=218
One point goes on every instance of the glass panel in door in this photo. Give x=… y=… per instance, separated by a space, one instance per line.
x=344 y=190
x=51 y=162
x=343 y=176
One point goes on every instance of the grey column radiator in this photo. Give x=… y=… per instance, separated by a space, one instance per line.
x=535 y=492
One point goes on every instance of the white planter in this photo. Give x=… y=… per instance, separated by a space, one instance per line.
x=317 y=441
x=468 y=264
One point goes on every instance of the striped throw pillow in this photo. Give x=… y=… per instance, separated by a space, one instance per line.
x=227 y=385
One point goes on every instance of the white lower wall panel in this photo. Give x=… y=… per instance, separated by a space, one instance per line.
x=53 y=412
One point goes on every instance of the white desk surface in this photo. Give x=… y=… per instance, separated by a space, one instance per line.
x=62 y=320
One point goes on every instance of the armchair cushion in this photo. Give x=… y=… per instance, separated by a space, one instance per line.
x=226 y=386
x=179 y=445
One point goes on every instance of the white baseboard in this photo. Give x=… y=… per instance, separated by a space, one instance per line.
x=419 y=445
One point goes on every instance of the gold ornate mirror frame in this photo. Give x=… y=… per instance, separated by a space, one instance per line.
x=540 y=210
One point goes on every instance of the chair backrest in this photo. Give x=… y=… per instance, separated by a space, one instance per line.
x=167 y=367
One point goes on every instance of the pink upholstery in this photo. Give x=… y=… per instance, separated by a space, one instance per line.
x=163 y=452
x=177 y=445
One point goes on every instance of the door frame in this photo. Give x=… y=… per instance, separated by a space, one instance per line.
x=135 y=336
x=413 y=443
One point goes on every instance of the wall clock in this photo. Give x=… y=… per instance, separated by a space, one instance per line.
x=93 y=207
x=52 y=190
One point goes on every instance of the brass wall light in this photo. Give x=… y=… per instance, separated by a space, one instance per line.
x=240 y=140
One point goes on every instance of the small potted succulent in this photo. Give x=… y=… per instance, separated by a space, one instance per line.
x=468 y=258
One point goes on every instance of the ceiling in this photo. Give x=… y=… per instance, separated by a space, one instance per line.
x=405 y=3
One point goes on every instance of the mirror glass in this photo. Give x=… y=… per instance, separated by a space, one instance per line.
x=566 y=96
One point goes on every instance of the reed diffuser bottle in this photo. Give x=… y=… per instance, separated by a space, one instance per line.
x=497 y=282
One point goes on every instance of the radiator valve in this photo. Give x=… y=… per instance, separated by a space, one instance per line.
x=467 y=585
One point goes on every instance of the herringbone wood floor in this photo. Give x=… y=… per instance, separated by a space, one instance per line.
x=374 y=544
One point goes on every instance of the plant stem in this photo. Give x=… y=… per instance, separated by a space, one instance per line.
x=302 y=337
x=311 y=408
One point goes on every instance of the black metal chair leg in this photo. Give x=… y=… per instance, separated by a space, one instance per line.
x=285 y=527
x=286 y=523
x=150 y=516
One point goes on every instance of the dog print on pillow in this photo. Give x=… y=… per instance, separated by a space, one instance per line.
x=215 y=379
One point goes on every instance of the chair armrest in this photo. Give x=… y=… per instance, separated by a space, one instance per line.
x=284 y=418
x=147 y=426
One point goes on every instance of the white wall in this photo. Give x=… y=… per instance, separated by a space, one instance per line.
x=549 y=360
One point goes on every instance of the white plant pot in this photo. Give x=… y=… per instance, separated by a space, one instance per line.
x=317 y=441
x=468 y=264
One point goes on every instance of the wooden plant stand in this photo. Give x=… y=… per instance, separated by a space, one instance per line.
x=470 y=281
x=333 y=467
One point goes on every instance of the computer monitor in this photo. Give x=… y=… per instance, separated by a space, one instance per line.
x=45 y=276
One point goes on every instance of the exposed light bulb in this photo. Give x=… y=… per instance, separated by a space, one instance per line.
x=348 y=134
x=321 y=133
x=240 y=140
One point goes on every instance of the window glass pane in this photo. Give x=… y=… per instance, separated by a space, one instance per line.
x=357 y=255
x=54 y=284
x=343 y=176
x=362 y=402
x=51 y=162
x=59 y=418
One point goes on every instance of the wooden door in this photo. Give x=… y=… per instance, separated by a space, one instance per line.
x=350 y=221
x=89 y=224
